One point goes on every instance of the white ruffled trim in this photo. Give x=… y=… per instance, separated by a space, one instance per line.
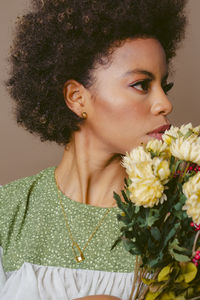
x=2 y=274
x=34 y=282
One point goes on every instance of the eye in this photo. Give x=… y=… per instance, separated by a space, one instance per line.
x=166 y=88
x=142 y=85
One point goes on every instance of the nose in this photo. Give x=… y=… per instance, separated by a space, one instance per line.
x=161 y=104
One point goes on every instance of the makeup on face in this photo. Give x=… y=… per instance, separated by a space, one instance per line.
x=131 y=96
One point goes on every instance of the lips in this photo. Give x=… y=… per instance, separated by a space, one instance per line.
x=161 y=129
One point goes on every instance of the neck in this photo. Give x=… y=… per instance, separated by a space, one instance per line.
x=88 y=173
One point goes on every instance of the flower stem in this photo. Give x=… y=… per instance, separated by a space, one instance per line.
x=137 y=266
x=185 y=171
x=147 y=287
x=195 y=243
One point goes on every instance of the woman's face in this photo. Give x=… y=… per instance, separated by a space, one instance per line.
x=130 y=96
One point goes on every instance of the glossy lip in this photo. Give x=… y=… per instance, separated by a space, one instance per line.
x=161 y=129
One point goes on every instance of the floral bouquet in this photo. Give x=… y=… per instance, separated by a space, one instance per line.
x=161 y=215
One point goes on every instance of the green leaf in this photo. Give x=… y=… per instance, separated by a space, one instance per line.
x=155 y=232
x=128 y=245
x=154 y=263
x=148 y=281
x=171 y=233
x=125 y=196
x=151 y=220
x=179 y=214
x=178 y=206
x=177 y=165
x=137 y=209
x=117 y=198
x=116 y=243
x=183 y=198
x=168 y=296
x=174 y=245
x=180 y=257
x=164 y=274
x=189 y=271
x=152 y=296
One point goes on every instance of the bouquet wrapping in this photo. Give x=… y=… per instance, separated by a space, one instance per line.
x=161 y=215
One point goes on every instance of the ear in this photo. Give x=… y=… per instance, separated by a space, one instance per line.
x=74 y=96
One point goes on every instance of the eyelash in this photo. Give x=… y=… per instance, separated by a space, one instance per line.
x=146 y=83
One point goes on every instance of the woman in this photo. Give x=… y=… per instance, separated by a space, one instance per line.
x=90 y=75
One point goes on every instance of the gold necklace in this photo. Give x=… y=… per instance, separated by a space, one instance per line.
x=78 y=253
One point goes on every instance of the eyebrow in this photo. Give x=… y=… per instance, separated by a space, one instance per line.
x=144 y=72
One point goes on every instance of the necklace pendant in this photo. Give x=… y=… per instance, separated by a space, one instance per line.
x=78 y=253
x=80 y=258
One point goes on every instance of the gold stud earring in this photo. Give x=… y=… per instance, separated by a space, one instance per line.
x=84 y=115
x=67 y=147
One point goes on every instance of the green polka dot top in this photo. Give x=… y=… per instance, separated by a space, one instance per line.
x=33 y=228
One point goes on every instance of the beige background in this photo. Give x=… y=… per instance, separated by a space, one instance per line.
x=22 y=154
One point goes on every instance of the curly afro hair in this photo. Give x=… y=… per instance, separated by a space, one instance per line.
x=63 y=39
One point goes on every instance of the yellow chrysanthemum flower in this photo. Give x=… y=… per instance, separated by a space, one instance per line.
x=192 y=185
x=139 y=155
x=186 y=149
x=138 y=163
x=159 y=148
x=175 y=132
x=191 y=189
x=184 y=128
x=146 y=192
x=145 y=189
x=188 y=127
x=170 y=135
x=196 y=130
x=161 y=169
x=140 y=170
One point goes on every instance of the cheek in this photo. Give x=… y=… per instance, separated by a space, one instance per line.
x=121 y=111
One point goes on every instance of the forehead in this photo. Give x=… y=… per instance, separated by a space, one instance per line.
x=141 y=53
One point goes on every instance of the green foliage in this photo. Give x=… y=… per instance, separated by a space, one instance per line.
x=161 y=234
x=175 y=281
x=174 y=247
x=163 y=238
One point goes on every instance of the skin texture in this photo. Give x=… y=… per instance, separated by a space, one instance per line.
x=120 y=116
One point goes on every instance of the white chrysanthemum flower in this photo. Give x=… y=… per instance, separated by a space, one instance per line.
x=146 y=192
x=191 y=189
x=145 y=188
x=138 y=163
x=138 y=170
x=170 y=135
x=186 y=149
x=159 y=148
x=196 y=130
x=156 y=146
x=161 y=169
x=175 y=132
x=192 y=207
x=139 y=155
x=184 y=128
x=192 y=185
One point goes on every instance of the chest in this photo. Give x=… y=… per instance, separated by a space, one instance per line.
x=39 y=235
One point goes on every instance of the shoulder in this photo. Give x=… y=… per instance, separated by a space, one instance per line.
x=21 y=187
x=15 y=198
